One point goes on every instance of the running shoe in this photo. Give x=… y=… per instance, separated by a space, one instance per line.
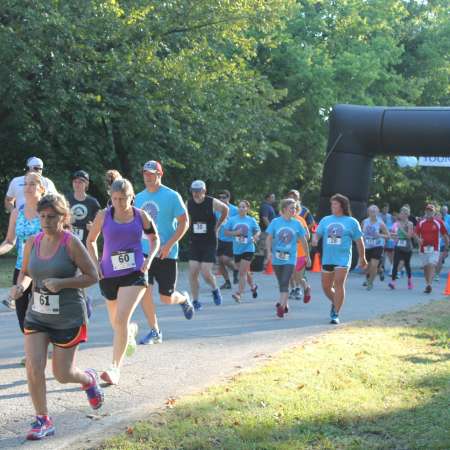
x=93 y=390
x=217 y=297
x=292 y=294
x=365 y=283
x=410 y=283
x=298 y=294
x=132 y=333
x=42 y=427
x=197 y=305
x=381 y=275
x=111 y=376
x=428 y=290
x=254 y=290
x=335 y=319
x=307 y=295
x=188 y=309
x=226 y=285
x=286 y=309
x=436 y=277
x=369 y=285
x=9 y=303
x=235 y=276
x=237 y=297
x=280 y=310
x=332 y=311
x=391 y=284
x=153 y=337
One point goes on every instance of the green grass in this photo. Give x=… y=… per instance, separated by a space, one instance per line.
x=7 y=264
x=384 y=384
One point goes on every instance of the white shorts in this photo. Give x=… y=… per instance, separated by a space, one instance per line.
x=429 y=258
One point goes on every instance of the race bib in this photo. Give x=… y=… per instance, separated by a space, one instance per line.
x=78 y=232
x=402 y=243
x=428 y=249
x=123 y=260
x=45 y=303
x=371 y=242
x=334 y=240
x=242 y=239
x=199 y=228
x=283 y=256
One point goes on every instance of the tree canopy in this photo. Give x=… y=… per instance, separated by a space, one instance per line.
x=236 y=92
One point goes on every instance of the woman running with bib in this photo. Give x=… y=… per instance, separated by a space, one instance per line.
x=402 y=232
x=281 y=243
x=245 y=232
x=375 y=232
x=338 y=232
x=122 y=268
x=59 y=267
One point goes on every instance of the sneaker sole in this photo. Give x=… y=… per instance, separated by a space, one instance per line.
x=33 y=437
x=105 y=377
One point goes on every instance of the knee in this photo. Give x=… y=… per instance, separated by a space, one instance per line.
x=61 y=375
x=35 y=368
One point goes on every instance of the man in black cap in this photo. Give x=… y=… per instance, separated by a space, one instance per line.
x=83 y=207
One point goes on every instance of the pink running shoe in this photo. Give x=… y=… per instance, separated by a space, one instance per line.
x=42 y=427
x=93 y=390
x=410 y=283
x=307 y=295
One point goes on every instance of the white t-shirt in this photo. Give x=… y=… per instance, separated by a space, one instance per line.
x=15 y=189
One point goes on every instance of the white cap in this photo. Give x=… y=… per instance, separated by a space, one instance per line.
x=35 y=162
x=198 y=185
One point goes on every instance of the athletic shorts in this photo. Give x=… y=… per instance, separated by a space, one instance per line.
x=164 y=272
x=429 y=258
x=109 y=287
x=374 y=253
x=61 y=338
x=225 y=248
x=202 y=253
x=300 y=264
x=331 y=267
x=247 y=256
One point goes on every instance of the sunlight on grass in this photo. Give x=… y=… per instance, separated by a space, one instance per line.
x=374 y=385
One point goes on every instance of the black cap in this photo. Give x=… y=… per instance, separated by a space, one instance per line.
x=81 y=174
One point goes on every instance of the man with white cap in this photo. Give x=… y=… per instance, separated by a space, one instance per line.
x=15 y=196
x=203 y=230
x=168 y=211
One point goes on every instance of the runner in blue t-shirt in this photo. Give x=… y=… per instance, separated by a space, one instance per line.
x=281 y=243
x=225 y=244
x=245 y=231
x=168 y=211
x=338 y=232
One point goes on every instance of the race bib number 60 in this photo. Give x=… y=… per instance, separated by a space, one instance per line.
x=123 y=260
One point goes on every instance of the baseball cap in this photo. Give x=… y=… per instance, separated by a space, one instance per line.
x=430 y=207
x=81 y=174
x=153 y=167
x=198 y=185
x=33 y=161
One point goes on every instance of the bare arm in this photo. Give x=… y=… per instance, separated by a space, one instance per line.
x=10 y=239
x=153 y=239
x=305 y=246
x=384 y=231
x=9 y=203
x=91 y=240
x=23 y=280
x=182 y=227
x=361 y=252
x=223 y=209
x=269 y=246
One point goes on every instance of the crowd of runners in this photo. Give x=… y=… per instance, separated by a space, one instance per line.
x=58 y=257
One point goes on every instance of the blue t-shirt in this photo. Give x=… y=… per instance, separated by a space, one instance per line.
x=232 y=211
x=164 y=206
x=338 y=232
x=248 y=227
x=285 y=234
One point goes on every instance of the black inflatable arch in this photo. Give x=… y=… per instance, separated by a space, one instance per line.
x=358 y=133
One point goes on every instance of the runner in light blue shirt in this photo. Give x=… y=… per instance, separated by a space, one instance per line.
x=338 y=231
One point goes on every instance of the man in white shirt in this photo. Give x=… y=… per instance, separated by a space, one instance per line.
x=15 y=196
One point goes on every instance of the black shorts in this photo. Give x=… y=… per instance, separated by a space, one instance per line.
x=374 y=253
x=61 y=338
x=331 y=267
x=225 y=248
x=247 y=256
x=164 y=271
x=202 y=252
x=109 y=287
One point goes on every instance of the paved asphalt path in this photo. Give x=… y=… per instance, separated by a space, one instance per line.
x=218 y=343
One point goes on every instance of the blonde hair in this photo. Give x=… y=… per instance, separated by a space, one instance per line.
x=123 y=186
x=111 y=176
x=59 y=204
x=39 y=180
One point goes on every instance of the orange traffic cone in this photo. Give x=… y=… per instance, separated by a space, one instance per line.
x=269 y=268
x=316 y=267
x=447 y=287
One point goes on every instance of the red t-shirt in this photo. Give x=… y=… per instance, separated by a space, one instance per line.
x=430 y=230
